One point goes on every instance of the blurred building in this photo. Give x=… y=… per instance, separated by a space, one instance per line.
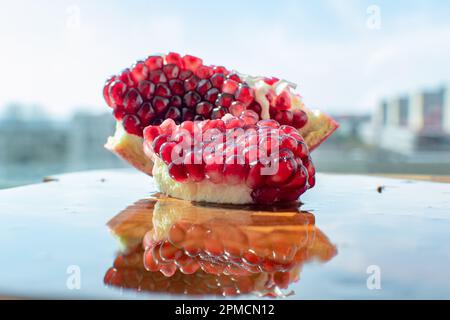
x=411 y=123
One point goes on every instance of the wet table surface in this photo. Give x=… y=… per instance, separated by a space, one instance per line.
x=106 y=234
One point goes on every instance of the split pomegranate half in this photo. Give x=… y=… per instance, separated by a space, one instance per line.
x=185 y=89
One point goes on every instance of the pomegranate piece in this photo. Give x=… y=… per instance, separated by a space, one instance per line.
x=271 y=160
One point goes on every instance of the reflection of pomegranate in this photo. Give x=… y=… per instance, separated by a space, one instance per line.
x=185 y=89
x=194 y=249
x=230 y=160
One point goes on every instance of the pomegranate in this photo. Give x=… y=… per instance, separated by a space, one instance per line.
x=185 y=89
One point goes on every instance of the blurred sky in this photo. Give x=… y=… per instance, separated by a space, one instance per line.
x=50 y=57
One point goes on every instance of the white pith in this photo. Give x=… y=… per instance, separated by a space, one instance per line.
x=204 y=191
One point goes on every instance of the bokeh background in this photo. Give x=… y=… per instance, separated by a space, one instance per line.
x=380 y=67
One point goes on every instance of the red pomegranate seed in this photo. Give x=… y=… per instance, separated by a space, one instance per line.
x=190 y=268
x=268 y=123
x=266 y=195
x=177 y=233
x=220 y=69
x=160 y=105
x=204 y=72
x=132 y=101
x=301 y=150
x=255 y=106
x=132 y=124
x=119 y=113
x=127 y=78
x=139 y=71
x=154 y=62
x=165 y=151
x=146 y=89
x=178 y=172
x=234 y=76
x=174 y=114
x=218 y=113
x=224 y=100
x=176 y=101
x=217 y=80
x=298 y=180
x=299 y=118
x=150 y=133
x=288 y=129
x=204 y=108
x=191 y=99
x=254 y=178
x=171 y=71
x=271 y=81
x=176 y=87
x=245 y=95
x=187 y=114
x=283 y=101
x=195 y=172
x=192 y=63
x=157 y=76
x=203 y=86
x=117 y=92
x=236 y=108
x=290 y=195
x=212 y=95
x=185 y=74
x=168 y=252
x=230 y=86
x=162 y=90
x=284 y=116
x=168 y=126
x=234 y=171
x=288 y=142
x=158 y=142
x=174 y=58
x=168 y=270
x=150 y=263
x=106 y=96
x=214 y=171
x=146 y=114
x=286 y=168
x=249 y=117
x=191 y=83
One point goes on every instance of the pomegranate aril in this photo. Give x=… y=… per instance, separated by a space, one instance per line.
x=119 y=113
x=203 y=86
x=177 y=233
x=236 y=108
x=204 y=72
x=211 y=95
x=132 y=101
x=162 y=90
x=146 y=114
x=265 y=195
x=178 y=172
x=199 y=118
x=158 y=142
x=146 y=89
x=117 y=92
x=193 y=243
x=288 y=129
x=106 y=96
x=204 y=108
x=127 y=78
x=268 y=123
x=224 y=100
x=249 y=117
x=214 y=172
x=187 y=114
x=174 y=114
x=165 y=151
x=299 y=118
x=218 y=113
x=190 y=268
x=150 y=263
x=217 y=80
x=171 y=71
x=185 y=74
x=132 y=124
x=283 y=101
x=234 y=171
x=234 y=76
x=289 y=195
x=255 y=106
x=284 y=116
x=245 y=95
x=255 y=179
x=168 y=270
x=154 y=62
x=286 y=168
x=160 y=105
x=139 y=71
x=168 y=252
x=192 y=63
x=191 y=99
x=230 y=86
x=150 y=133
x=157 y=76
x=176 y=101
x=191 y=83
x=174 y=58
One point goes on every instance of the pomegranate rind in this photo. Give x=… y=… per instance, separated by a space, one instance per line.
x=129 y=148
x=318 y=128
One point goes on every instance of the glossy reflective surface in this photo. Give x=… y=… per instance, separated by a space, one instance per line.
x=94 y=230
